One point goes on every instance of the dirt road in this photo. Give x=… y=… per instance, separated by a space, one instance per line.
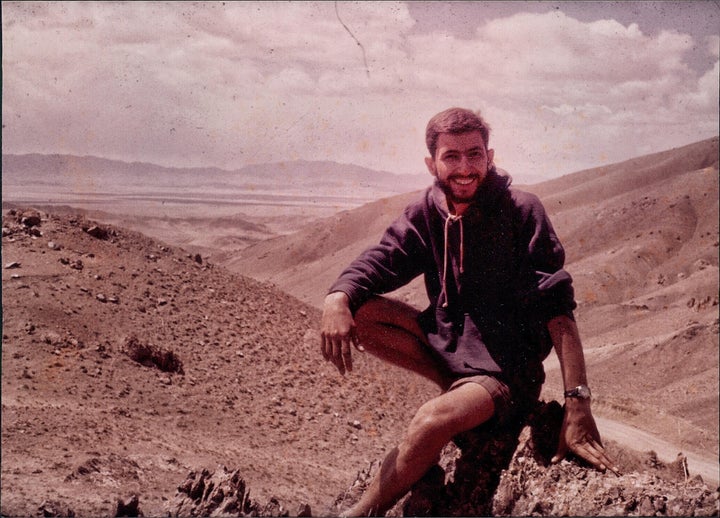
x=629 y=436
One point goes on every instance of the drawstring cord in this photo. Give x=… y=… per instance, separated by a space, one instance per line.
x=451 y=218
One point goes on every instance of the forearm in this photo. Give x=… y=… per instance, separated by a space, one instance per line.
x=566 y=340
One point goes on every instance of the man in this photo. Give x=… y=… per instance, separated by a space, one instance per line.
x=499 y=300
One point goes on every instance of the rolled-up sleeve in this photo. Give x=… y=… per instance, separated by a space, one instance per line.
x=548 y=290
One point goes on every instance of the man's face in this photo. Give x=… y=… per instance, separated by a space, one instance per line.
x=461 y=163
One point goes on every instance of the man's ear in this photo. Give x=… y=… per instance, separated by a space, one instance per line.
x=430 y=163
x=491 y=156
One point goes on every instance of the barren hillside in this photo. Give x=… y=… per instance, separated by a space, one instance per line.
x=87 y=417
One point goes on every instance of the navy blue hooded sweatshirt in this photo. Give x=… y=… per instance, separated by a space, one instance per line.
x=494 y=277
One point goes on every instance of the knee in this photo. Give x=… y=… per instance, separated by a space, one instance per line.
x=369 y=313
x=430 y=427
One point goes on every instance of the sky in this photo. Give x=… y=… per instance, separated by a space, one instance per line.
x=565 y=86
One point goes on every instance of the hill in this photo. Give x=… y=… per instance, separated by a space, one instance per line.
x=642 y=244
x=128 y=363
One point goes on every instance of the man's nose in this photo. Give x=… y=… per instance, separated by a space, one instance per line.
x=464 y=166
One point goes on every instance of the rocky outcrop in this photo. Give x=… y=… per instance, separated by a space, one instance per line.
x=222 y=493
x=530 y=486
x=506 y=471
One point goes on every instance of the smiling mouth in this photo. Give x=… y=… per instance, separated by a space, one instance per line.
x=465 y=180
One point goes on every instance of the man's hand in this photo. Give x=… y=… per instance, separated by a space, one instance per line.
x=337 y=331
x=580 y=435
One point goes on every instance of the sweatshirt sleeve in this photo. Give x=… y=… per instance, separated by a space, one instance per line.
x=548 y=288
x=394 y=262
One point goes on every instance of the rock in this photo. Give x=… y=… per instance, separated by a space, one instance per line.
x=505 y=471
x=219 y=493
x=352 y=495
x=75 y=265
x=55 y=509
x=530 y=485
x=101 y=297
x=12 y=265
x=97 y=232
x=151 y=356
x=30 y=219
x=131 y=508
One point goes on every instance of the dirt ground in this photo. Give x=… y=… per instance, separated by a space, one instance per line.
x=84 y=424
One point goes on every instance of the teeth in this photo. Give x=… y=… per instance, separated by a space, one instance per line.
x=464 y=181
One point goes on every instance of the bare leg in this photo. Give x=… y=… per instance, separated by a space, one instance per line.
x=434 y=425
x=389 y=330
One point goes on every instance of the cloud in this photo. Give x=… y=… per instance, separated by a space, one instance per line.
x=236 y=82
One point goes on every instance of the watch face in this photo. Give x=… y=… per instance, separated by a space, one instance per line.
x=583 y=392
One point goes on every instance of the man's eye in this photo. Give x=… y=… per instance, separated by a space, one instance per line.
x=475 y=155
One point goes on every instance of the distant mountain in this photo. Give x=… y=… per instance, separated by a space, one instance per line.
x=76 y=174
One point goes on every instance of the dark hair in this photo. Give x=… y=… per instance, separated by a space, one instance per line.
x=455 y=121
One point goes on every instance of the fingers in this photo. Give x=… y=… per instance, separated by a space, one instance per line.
x=592 y=454
x=325 y=348
x=595 y=454
x=346 y=355
x=340 y=355
x=338 y=351
x=591 y=451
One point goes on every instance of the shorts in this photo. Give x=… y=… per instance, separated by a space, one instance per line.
x=498 y=390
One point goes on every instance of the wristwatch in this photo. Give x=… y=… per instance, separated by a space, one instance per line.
x=580 y=392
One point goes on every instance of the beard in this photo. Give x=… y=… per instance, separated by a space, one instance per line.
x=457 y=193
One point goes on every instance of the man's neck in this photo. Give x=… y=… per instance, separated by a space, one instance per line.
x=458 y=209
